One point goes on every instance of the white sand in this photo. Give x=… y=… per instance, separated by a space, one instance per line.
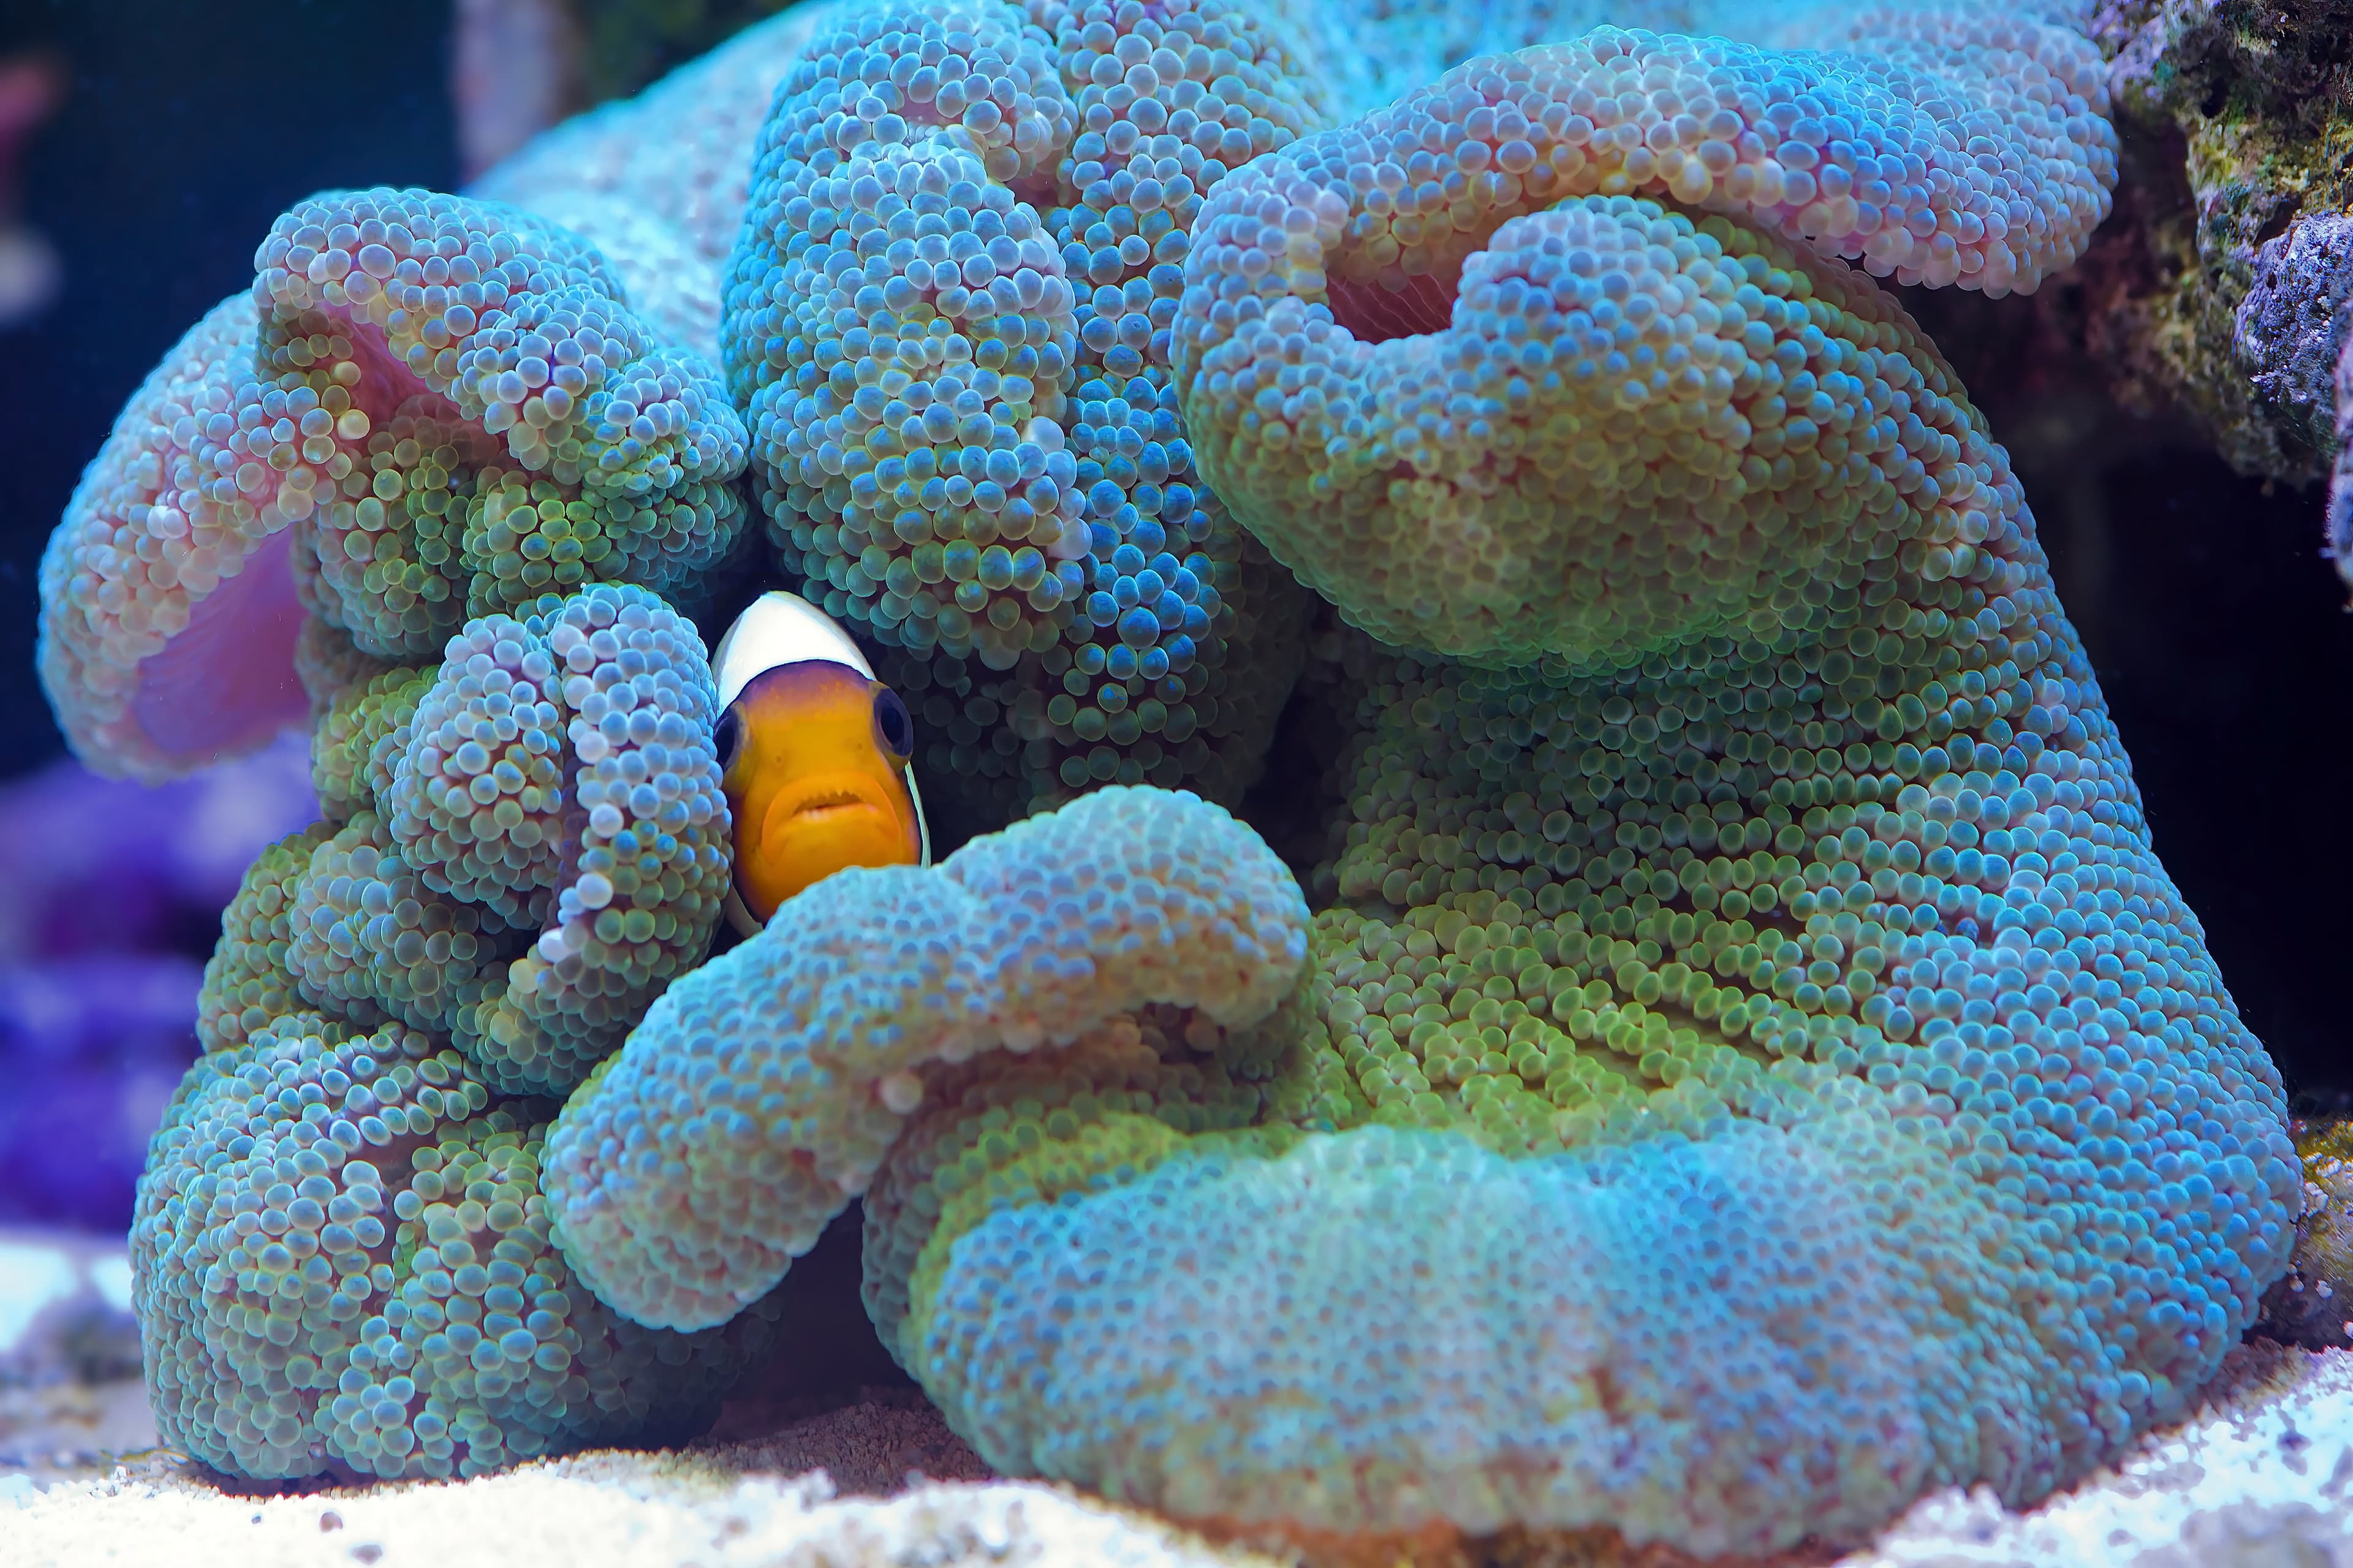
x=2262 y=1479
x=764 y=1503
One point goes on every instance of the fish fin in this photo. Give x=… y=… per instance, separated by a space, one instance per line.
x=922 y=823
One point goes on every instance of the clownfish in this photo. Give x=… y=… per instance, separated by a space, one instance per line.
x=813 y=756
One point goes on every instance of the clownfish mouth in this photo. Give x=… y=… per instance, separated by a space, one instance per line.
x=826 y=804
x=816 y=803
x=817 y=825
x=854 y=832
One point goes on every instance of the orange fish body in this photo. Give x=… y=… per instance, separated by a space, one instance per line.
x=813 y=753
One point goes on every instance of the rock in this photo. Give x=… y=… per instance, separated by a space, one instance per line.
x=2312 y=1306
x=65 y=1310
x=2290 y=329
x=2261 y=1476
x=70 y=1393
x=2224 y=116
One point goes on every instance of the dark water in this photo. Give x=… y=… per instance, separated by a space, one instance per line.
x=2222 y=638
x=2230 y=666
x=188 y=125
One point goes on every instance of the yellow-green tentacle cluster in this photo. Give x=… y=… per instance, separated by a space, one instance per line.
x=762 y=1090
x=949 y=314
x=354 y=744
x=341 y=1251
x=1751 y=1069
x=343 y=1264
x=1903 y=1086
x=1461 y=383
x=428 y=408
x=249 y=979
x=507 y=427
x=430 y=430
x=1770 y=950
x=524 y=845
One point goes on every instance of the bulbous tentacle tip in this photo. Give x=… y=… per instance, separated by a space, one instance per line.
x=427 y=407
x=1445 y=359
x=966 y=443
x=402 y=1311
x=680 y=1205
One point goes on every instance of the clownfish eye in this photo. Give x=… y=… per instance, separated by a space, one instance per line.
x=894 y=727
x=728 y=738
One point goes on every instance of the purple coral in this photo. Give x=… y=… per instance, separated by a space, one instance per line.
x=2340 y=479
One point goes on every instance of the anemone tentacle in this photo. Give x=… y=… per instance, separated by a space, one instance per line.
x=1397 y=359
x=1749 y=1067
x=1685 y=937
x=525 y=844
x=1784 y=897
x=428 y=407
x=679 y=1206
x=948 y=318
x=342 y=1264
